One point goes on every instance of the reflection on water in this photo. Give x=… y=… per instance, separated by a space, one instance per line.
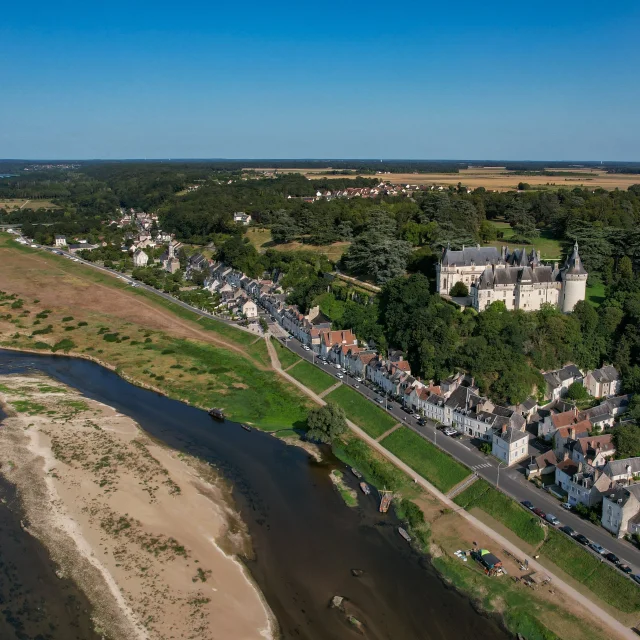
x=306 y=541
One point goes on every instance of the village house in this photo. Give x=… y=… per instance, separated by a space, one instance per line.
x=542 y=465
x=558 y=382
x=169 y=259
x=603 y=382
x=552 y=417
x=242 y=218
x=510 y=445
x=583 y=483
x=594 y=451
x=621 y=510
x=331 y=339
x=623 y=472
x=140 y=258
x=249 y=309
x=563 y=436
x=60 y=241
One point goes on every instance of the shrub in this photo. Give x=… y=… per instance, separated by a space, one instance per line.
x=82 y=323
x=64 y=345
x=67 y=318
x=70 y=328
x=110 y=337
x=459 y=290
x=41 y=332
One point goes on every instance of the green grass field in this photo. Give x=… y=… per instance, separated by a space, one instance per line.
x=550 y=248
x=605 y=581
x=312 y=377
x=503 y=509
x=286 y=356
x=259 y=351
x=363 y=412
x=595 y=291
x=437 y=467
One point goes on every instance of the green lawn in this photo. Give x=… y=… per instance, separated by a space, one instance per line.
x=503 y=509
x=245 y=393
x=312 y=377
x=550 y=247
x=605 y=581
x=595 y=291
x=437 y=467
x=286 y=356
x=363 y=412
x=259 y=351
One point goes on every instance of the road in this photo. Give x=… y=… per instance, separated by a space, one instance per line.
x=509 y=480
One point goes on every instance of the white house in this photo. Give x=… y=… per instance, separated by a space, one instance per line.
x=241 y=217
x=60 y=241
x=510 y=445
x=140 y=258
x=621 y=510
x=249 y=309
x=623 y=472
x=603 y=382
x=558 y=382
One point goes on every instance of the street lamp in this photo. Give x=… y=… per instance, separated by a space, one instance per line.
x=498 y=479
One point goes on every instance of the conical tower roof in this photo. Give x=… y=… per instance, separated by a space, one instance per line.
x=574 y=263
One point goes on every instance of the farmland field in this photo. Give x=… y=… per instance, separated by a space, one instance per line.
x=496 y=178
x=11 y=204
x=437 y=467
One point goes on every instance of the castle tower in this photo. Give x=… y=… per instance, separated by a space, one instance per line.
x=574 y=282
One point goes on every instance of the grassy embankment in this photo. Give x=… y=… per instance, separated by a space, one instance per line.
x=603 y=581
x=598 y=576
x=439 y=468
x=178 y=359
x=312 y=377
x=550 y=247
x=363 y=412
x=503 y=509
x=286 y=356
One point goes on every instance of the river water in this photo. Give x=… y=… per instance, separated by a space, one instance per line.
x=305 y=540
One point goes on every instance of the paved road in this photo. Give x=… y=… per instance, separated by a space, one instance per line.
x=510 y=480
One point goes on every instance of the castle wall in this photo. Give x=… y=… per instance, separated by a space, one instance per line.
x=574 y=290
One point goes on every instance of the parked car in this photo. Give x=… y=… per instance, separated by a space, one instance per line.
x=613 y=558
x=636 y=577
x=625 y=568
x=598 y=548
x=356 y=386
x=527 y=503
x=567 y=505
x=339 y=375
x=449 y=431
x=358 y=379
x=552 y=519
x=380 y=401
x=539 y=512
x=568 y=530
x=582 y=539
x=457 y=434
x=416 y=416
x=421 y=422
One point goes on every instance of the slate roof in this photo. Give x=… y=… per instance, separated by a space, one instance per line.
x=619 y=467
x=511 y=435
x=470 y=256
x=608 y=373
x=573 y=266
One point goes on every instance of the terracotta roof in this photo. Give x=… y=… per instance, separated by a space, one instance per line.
x=403 y=365
x=580 y=429
x=597 y=443
x=547 y=459
x=564 y=419
x=366 y=358
x=569 y=467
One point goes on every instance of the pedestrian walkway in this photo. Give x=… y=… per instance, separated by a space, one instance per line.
x=386 y=433
x=333 y=387
x=484 y=465
x=292 y=365
x=461 y=486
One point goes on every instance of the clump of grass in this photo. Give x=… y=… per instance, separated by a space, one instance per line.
x=67 y=319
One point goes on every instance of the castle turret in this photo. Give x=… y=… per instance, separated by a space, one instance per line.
x=574 y=281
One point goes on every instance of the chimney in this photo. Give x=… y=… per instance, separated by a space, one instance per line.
x=565 y=455
x=504 y=428
x=572 y=433
x=555 y=266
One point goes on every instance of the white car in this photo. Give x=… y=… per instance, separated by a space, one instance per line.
x=338 y=366
x=356 y=386
x=339 y=375
x=449 y=431
x=306 y=348
x=358 y=379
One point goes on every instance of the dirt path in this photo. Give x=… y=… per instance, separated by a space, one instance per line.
x=333 y=387
x=603 y=616
x=389 y=431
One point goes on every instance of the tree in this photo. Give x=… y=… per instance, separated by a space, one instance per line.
x=626 y=439
x=326 y=423
x=376 y=252
x=263 y=324
x=577 y=391
x=459 y=290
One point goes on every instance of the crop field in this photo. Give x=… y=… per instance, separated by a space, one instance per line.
x=492 y=178
x=437 y=467
x=359 y=410
x=503 y=509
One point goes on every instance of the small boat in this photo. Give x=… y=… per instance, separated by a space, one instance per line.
x=246 y=427
x=356 y=473
x=404 y=534
x=218 y=414
x=365 y=488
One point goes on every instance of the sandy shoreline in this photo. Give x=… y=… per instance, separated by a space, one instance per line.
x=138 y=527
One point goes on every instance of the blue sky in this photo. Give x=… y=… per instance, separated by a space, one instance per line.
x=493 y=80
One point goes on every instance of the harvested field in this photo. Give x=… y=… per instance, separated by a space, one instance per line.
x=12 y=204
x=492 y=178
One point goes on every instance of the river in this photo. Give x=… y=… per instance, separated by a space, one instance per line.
x=305 y=540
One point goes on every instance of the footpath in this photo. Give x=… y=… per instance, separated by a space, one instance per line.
x=605 y=617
